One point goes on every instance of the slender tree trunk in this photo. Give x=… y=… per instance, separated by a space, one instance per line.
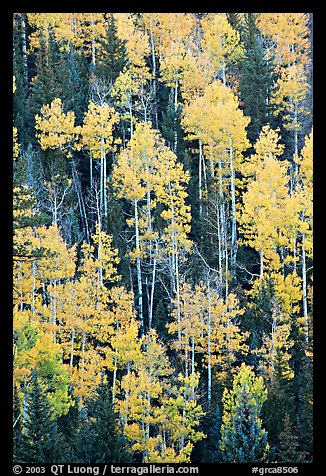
x=200 y=180
x=150 y=311
x=175 y=113
x=304 y=289
x=104 y=189
x=91 y=170
x=209 y=357
x=24 y=48
x=80 y=200
x=234 y=244
x=138 y=265
x=193 y=364
x=261 y=262
x=72 y=349
x=151 y=38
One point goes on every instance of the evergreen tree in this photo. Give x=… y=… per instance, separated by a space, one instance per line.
x=112 y=53
x=256 y=78
x=41 y=440
x=289 y=443
x=243 y=440
x=100 y=439
x=280 y=403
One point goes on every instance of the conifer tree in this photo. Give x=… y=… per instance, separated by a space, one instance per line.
x=100 y=439
x=243 y=440
x=256 y=78
x=41 y=440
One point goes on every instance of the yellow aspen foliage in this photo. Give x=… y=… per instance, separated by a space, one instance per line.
x=221 y=41
x=136 y=42
x=304 y=192
x=287 y=33
x=266 y=145
x=107 y=256
x=97 y=129
x=276 y=345
x=56 y=129
x=173 y=43
x=35 y=350
x=58 y=261
x=287 y=37
x=228 y=342
x=180 y=417
x=262 y=217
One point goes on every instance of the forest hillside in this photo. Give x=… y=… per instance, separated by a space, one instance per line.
x=162 y=237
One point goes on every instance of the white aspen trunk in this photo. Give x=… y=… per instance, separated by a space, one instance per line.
x=295 y=253
x=151 y=39
x=91 y=170
x=24 y=48
x=34 y=285
x=226 y=277
x=200 y=180
x=83 y=349
x=93 y=44
x=131 y=118
x=220 y=226
x=104 y=188
x=193 y=365
x=211 y=161
x=72 y=349
x=295 y=129
x=80 y=200
x=138 y=265
x=114 y=380
x=55 y=212
x=150 y=311
x=175 y=112
x=99 y=255
x=261 y=262
x=304 y=289
x=101 y=184
x=234 y=244
x=54 y=308
x=274 y=326
x=178 y=293
x=209 y=357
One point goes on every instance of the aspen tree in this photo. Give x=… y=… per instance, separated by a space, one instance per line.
x=57 y=130
x=145 y=384
x=304 y=195
x=97 y=137
x=222 y=43
x=173 y=45
x=287 y=38
x=216 y=119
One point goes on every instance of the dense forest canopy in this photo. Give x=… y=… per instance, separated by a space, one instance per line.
x=162 y=237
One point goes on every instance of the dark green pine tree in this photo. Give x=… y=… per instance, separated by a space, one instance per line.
x=207 y=450
x=40 y=440
x=20 y=72
x=304 y=406
x=289 y=444
x=280 y=401
x=245 y=441
x=46 y=83
x=112 y=57
x=255 y=78
x=74 y=76
x=100 y=439
x=17 y=421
